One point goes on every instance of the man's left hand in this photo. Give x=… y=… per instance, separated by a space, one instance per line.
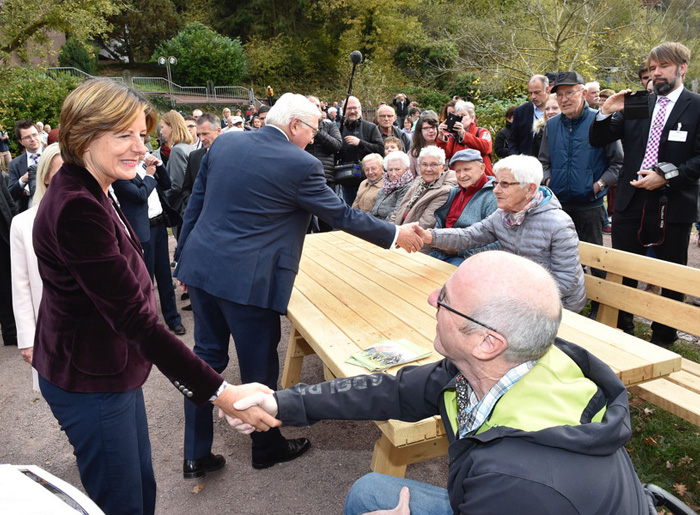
x=650 y=180
x=352 y=140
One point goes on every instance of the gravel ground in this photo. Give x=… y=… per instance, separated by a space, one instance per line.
x=314 y=484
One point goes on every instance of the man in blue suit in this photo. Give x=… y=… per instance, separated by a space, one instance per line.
x=239 y=254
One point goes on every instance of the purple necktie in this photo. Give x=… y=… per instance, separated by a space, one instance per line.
x=34 y=158
x=651 y=156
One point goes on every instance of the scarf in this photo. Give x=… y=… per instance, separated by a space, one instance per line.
x=517 y=218
x=390 y=186
x=462 y=199
x=422 y=186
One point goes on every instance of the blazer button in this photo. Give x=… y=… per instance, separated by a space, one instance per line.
x=189 y=394
x=182 y=388
x=177 y=383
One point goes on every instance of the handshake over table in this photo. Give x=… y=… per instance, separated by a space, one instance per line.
x=412 y=237
x=261 y=401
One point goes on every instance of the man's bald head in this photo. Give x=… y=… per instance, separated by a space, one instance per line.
x=512 y=294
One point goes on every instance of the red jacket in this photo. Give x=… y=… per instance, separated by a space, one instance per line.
x=477 y=138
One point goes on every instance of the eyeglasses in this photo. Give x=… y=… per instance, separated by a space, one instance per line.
x=352 y=108
x=428 y=128
x=568 y=94
x=29 y=136
x=431 y=165
x=504 y=184
x=385 y=116
x=441 y=303
x=191 y=126
x=314 y=130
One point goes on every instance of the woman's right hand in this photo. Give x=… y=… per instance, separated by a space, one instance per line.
x=441 y=130
x=27 y=354
x=426 y=236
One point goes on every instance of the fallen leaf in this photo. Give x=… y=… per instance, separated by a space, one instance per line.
x=669 y=465
x=648 y=411
x=685 y=460
x=198 y=488
x=680 y=488
x=649 y=440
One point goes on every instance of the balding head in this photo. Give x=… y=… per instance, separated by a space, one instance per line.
x=516 y=297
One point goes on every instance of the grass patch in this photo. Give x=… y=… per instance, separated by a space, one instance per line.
x=665 y=451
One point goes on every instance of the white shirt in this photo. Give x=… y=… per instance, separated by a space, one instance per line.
x=154 y=206
x=672 y=100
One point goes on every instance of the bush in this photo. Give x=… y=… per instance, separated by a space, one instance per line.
x=204 y=55
x=31 y=94
x=78 y=55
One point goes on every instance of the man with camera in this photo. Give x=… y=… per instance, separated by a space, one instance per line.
x=657 y=194
x=360 y=138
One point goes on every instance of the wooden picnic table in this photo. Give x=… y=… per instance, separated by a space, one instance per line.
x=350 y=294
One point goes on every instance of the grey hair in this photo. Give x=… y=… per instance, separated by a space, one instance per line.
x=332 y=109
x=214 y=121
x=529 y=330
x=463 y=105
x=397 y=155
x=542 y=78
x=290 y=106
x=432 y=150
x=42 y=171
x=376 y=157
x=593 y=83
x=525 y=169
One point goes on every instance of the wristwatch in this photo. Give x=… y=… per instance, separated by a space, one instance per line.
x=600 y=184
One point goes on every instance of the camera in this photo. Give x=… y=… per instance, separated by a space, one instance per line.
x=637 y=105
x=451 y=119
x=666 y=170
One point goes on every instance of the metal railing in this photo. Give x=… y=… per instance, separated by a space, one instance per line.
x=178 y=94
x=56 y=71
x=233 y=93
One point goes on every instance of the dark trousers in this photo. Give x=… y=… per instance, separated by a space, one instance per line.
x=7 y=315
x=349 y=194
x=588 y=223
x=157 y=257
x=109 y=435
x=674 y=249
x=256 y=333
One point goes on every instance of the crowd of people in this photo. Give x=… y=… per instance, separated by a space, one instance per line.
x=87 y=207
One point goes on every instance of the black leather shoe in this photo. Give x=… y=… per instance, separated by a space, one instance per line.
x=178 y=329
x=192 y=469
x=291 y=449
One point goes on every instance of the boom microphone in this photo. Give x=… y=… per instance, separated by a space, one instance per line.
x=356 y=58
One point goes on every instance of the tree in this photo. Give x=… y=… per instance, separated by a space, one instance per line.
x=78 y=55
x=30 y=21
x=204 y=55
x=140 y=28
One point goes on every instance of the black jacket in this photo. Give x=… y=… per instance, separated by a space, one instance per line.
x=326 y=144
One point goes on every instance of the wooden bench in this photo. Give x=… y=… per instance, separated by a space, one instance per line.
x=679 y=393
x=350 y=294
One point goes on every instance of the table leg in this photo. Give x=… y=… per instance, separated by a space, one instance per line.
x=391 y=460
x=607 y=314
x=297 y=349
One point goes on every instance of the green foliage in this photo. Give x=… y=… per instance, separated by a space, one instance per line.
x=31 y=94
x=141 y=27
x=77 y=54
x=204 y=55
x=23 y=22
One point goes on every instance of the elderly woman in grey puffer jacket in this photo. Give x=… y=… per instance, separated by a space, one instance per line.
x=398 y=179
x=529 y=222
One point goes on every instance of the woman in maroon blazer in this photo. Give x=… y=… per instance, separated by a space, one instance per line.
x=97 y=330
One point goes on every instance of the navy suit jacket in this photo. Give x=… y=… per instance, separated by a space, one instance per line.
x=244 y=226
x=520 y=141
x=133 y=200
x=98 y=329
x=682 y=191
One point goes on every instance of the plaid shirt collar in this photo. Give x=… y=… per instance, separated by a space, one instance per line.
x=474 y=412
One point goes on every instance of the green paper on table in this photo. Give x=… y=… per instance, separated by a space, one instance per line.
x=387 y=354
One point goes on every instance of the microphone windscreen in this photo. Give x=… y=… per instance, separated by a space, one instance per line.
x=356 y=57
